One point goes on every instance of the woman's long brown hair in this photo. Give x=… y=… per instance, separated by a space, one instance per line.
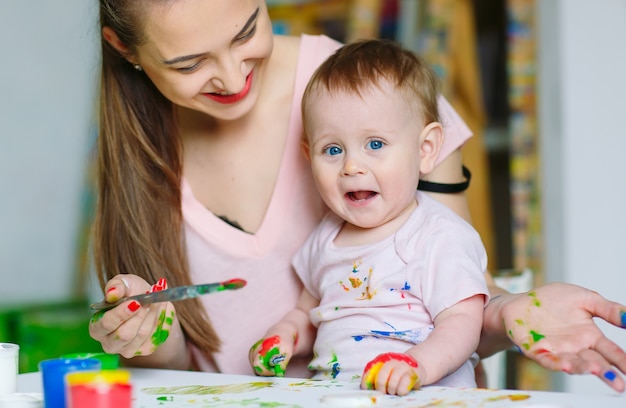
x=139 y=225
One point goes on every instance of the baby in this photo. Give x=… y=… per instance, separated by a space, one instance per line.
x=393 y=280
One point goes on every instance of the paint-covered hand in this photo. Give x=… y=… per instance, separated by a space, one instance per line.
x=553 y=325
x=131 y=329
x=392 y=373
x=270 y=356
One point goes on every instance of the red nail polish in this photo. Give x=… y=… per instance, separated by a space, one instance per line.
x=160 y=285
x=133 y=306
x=111 y=289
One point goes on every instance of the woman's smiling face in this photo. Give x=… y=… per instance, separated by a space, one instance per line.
x=208 y=55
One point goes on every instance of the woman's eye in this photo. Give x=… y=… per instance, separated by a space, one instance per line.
x=189 y=69
x=333 y=150
x=247 y=35
x=375 y=144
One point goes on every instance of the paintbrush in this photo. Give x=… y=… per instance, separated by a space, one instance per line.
x=174 y=294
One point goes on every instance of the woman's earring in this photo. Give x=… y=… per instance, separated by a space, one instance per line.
x=138 y=67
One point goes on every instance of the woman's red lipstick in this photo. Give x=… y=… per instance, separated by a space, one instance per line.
x=228 y=99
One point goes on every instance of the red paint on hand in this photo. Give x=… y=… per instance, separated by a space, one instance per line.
x=268 y=344
x=383 y=358
x=373 y=367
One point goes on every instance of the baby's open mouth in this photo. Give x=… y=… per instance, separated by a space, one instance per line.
x=361 y=195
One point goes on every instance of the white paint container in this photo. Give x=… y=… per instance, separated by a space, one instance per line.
x=9 y=357
x=21 y=400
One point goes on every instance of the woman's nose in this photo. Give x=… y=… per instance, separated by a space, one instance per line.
x=229 y=75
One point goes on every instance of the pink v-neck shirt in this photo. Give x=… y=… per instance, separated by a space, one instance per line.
x=218 y=251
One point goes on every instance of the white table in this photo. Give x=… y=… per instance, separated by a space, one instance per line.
x=173 y=389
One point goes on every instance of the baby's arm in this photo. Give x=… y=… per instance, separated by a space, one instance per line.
x=292 y=335
x=452 y=341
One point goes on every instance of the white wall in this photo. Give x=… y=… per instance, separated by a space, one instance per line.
x=48 y=69
x=582 y=100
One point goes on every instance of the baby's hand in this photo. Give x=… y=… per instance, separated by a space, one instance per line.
x=392 y=373
x=270 y=356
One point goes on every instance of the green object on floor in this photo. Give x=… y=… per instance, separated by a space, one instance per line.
x=49 y=331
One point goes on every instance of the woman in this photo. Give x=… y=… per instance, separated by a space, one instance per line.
x=202 y=179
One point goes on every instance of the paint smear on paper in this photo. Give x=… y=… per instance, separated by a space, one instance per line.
x=209 y=389
x=221 y=402
x=317 y=384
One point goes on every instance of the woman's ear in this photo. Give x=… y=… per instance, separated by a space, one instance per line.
x=431 y=140
x=111 y=37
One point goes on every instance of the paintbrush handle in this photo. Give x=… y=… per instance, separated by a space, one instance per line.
x=174 y=294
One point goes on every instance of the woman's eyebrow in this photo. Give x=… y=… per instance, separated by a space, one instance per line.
x=250 y=21
x=184 y=58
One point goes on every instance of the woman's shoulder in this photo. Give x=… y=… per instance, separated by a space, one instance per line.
x=287 y=43
x=292 y=44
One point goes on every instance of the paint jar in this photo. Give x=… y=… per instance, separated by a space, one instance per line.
x=104 y=389
x=53 y=374
x=107 y=361
x=21 y=400
x=9 y=359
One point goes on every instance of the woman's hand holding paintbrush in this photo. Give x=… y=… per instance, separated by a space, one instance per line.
x=135 y=326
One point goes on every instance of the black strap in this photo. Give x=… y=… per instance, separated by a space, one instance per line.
x=446 y=188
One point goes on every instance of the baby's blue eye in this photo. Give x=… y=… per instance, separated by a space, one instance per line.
x=375 y=144
x=333 y=150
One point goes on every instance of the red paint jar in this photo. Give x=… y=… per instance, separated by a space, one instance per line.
x=104 y=389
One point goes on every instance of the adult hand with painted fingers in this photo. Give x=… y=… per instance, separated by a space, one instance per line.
x=392 y=373
x=133 y=330
x=553 y=325
x=270 y=356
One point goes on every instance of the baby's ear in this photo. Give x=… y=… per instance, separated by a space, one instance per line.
x=431 y=140
x=306 y=149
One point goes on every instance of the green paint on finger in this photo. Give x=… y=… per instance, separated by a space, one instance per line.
x=278 y=370
x=270 y=356
x=97 y=316
x=160 y=335
x=268 y=361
